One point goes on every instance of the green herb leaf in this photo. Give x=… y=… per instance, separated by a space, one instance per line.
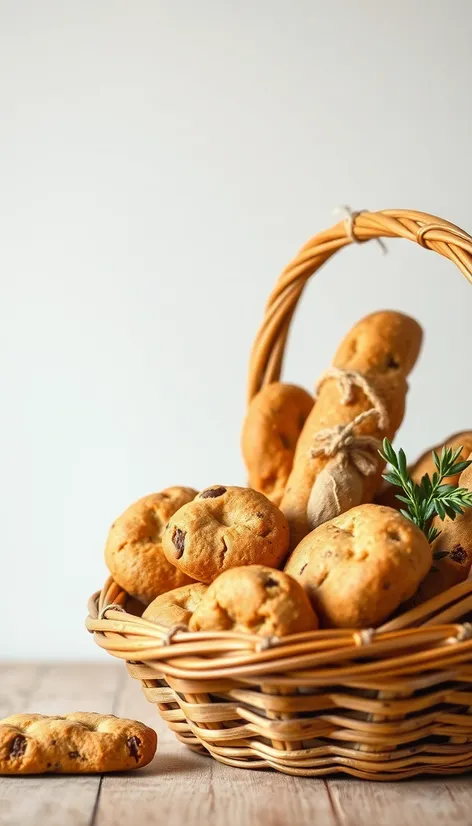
x=432 y=497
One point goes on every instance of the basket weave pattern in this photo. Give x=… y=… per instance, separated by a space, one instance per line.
x=381 y=705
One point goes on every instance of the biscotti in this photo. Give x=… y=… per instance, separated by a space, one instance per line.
x=273 y=423
x=255 y=599
x=358 y=568
x=222 y=528
x=177 y=606
x=133 y=551
x=80 y=743
x=361 y=400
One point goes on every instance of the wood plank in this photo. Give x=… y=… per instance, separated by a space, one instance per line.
x=407 y=803
x=181 y=787
x=17 y=682
x=56 y=689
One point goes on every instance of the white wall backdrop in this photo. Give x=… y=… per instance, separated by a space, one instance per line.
x=160 y=162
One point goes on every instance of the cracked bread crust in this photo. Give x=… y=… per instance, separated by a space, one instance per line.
x=257 y=600
x=222 y=528
x=80 y=743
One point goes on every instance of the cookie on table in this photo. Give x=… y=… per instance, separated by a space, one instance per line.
x=359 y=567
x=255 y=599
x=273 y=423
x=222 y=528
x=80 y=743
x=133 y=552
x=177 y=606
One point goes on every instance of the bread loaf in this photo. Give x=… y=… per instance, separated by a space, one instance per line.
x=360 y=401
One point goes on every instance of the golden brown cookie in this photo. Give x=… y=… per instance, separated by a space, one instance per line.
x=222 y=528
x=255 y=599
x=80 y=743
x=133 y=550
x=368 y=374
x=177 y=606
x=273 y=423
x=359 y=567
x=425 y=464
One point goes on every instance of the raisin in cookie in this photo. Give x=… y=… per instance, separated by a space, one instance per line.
x=273 y=423
x=222 y=528
x=255 y=599
x=133 y=551
x=360 y=566
x=177 y=606
x=81 y=743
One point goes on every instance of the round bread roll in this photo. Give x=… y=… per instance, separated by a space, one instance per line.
x=177 y=606
x=133 y=552
x=360 y=566
x=255 y=599
x=273 y=423
x=222 y=528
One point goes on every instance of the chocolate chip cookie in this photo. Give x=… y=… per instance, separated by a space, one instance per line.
x=80 y=743
x=222 y=528
x=133 y=551
x=255 y=599
x=177 y=606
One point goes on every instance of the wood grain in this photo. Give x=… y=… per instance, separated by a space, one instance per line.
x=53 y=689
x=180 y=787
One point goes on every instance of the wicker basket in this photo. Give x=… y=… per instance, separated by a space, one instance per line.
x=381 y=705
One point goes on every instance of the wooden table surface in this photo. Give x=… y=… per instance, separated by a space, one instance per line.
x=180 y=788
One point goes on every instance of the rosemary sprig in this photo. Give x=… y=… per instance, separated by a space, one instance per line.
x=431 y=497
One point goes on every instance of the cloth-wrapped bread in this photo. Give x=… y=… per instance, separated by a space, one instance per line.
x=360 y=401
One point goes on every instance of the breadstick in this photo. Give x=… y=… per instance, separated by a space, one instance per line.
x=273 y=423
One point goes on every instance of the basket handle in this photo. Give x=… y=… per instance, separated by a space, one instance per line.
x=428 y=231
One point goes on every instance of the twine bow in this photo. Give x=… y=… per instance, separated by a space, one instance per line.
x=361 y=451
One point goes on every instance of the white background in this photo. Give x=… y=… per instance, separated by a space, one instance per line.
x=160 y=162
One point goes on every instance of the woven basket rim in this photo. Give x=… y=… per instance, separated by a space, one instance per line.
x=213 y=655
x=429 y=231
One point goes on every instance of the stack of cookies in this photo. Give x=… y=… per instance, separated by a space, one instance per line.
x=316 y=539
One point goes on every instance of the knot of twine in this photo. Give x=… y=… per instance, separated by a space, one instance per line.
x=349 y=220
x=113 y=606
x=170 y=634
x=364 y=637
x=266 y=642
x=464 y=633
x=360 y=450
